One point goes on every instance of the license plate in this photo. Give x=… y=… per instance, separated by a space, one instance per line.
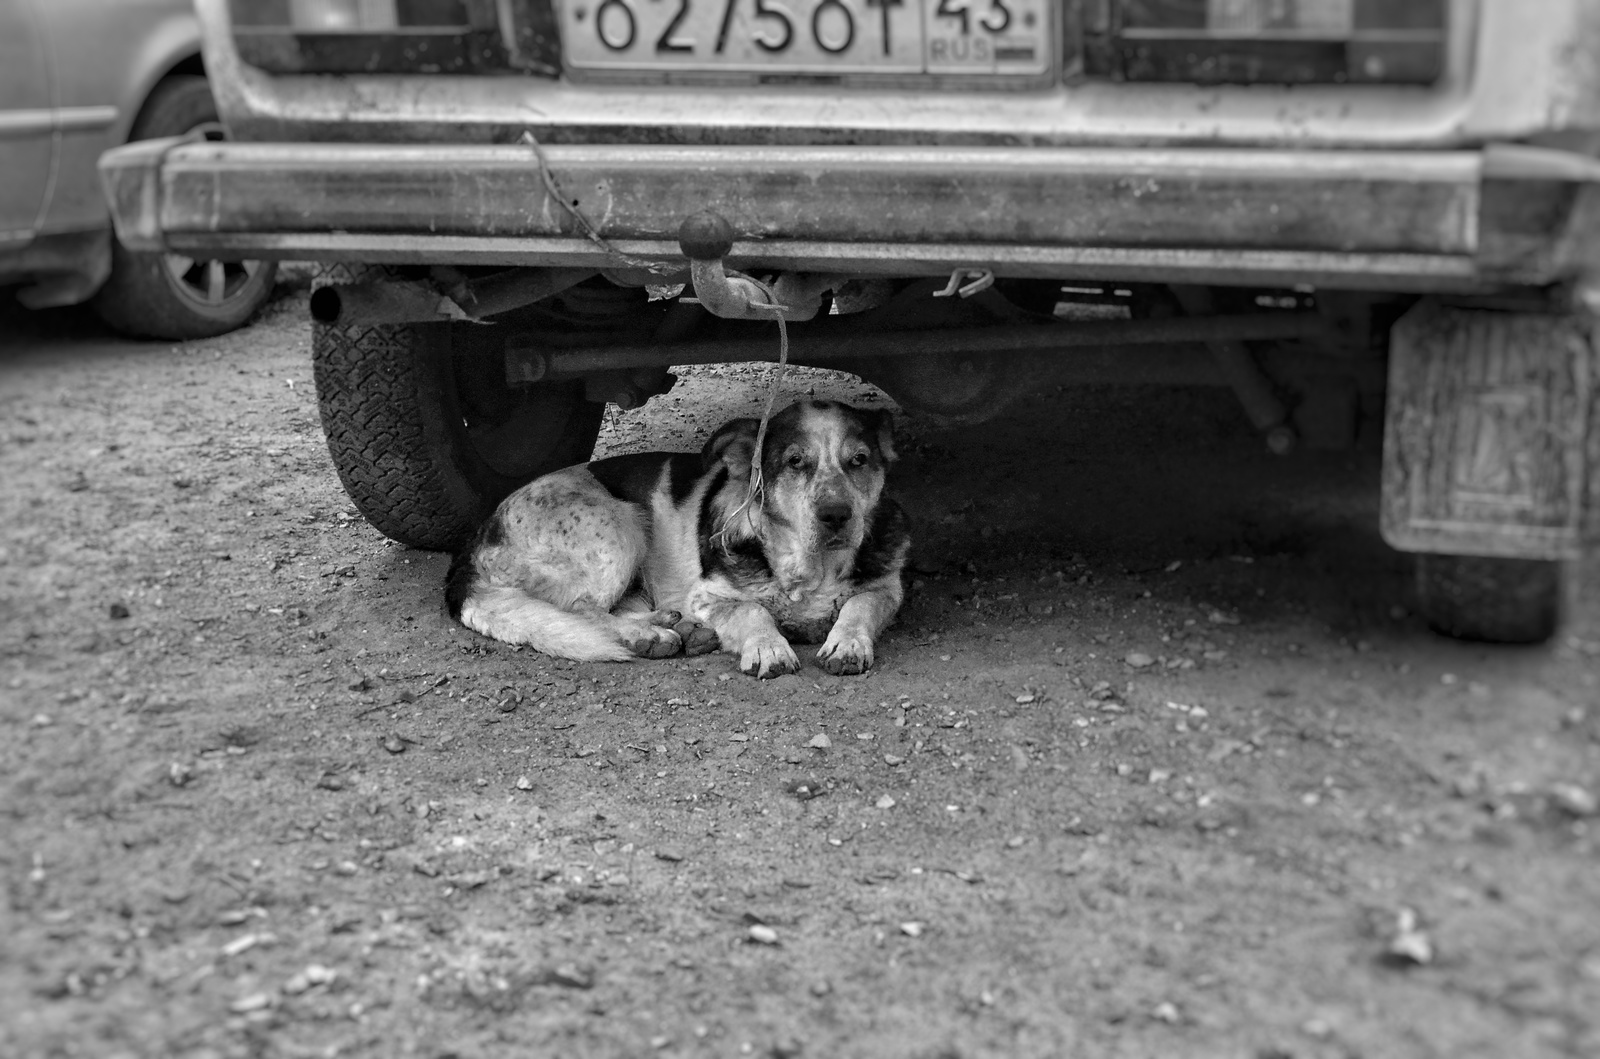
x=826 y=39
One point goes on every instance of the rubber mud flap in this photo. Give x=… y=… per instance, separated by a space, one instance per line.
x=1492 y=434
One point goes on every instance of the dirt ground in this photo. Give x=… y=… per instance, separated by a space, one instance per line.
x=1155 y=762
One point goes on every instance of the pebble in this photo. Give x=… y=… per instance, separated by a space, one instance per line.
x=119 y=611
x=1139 y=660
x=394 y=744
x=1573 y=799
x=179 y=774
x=246 y=942
x=884 y=802
x=669 y=854
x=1167 y=1012
x=1409 y=944
x=254 y=1002
x=524 y=783
x=314 y=975
x=762 y=934
x=893 y=759
x=1024 y=699
x=911 y=929
x=820 y=742
x=330 y=782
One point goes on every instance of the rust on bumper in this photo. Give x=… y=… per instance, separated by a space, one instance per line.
x=1439 y=220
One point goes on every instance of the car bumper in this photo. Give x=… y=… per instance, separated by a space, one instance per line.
x=1435 y=220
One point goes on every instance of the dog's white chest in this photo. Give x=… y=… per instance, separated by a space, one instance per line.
x=809 y=618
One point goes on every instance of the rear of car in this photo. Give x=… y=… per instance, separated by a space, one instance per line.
x=1310 y=201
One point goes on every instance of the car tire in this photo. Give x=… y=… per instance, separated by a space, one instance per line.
x=424 y=432
x=1507 y=601
x=157 y=295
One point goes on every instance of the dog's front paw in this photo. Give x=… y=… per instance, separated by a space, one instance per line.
x=845 y=655
x=768 y=657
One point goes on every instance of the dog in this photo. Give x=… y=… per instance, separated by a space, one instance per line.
x=652 y=554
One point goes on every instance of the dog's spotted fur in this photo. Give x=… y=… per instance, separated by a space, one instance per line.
x=650 y=554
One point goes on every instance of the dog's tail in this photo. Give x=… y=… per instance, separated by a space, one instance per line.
x=509 y=614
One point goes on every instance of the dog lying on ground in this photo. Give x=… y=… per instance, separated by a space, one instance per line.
x=656 y=553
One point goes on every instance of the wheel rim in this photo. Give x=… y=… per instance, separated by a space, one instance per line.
x=207 y=282
x=210 y=283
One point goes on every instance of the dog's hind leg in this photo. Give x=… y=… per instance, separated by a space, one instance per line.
x=697 y=639
x=550 y=566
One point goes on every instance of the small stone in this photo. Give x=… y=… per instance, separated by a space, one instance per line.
x=254 y=1002
x=524 y=783
x=119 y=611
x=1139 y=660
x=180 y=774
x=1159 y=776
x=669 y=854
x=328 y=781
x=347 y=867
x=820 y=741
x=1409 y=944
x=1025 y=698
x=570 y=975
x=1041 y=610
x=1574 y=800
x=1167 y=1012
x=893 y=759
x=1015 y=842
x=394 y=744
x=912 y=929
x=1318 y=1029
x=884 y=802
x=246 y=942
x=761 y=934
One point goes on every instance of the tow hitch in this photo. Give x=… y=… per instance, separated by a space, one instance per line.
x=706 y=238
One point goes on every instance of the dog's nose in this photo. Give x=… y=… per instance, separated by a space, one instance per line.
x=834 y=516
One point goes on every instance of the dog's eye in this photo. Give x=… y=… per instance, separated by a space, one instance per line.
x=797 y=460
x=858 y=460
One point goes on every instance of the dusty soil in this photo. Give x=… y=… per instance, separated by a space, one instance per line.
x=1154 y=763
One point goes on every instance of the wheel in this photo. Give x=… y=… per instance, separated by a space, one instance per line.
x=423 y=430
x=153 y=295
x=1469 y=597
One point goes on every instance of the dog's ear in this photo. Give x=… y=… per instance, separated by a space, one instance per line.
x=731 y=446
x=880 y=424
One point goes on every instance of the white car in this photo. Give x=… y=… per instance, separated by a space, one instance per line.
x=77 y=77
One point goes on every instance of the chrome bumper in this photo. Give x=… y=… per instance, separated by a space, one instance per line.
x=1436 y=220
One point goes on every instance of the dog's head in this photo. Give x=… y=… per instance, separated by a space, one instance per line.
x=823 y=466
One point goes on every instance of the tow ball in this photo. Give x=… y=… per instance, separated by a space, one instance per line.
x=706 y=238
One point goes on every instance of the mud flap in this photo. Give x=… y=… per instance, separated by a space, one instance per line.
x=1492 y=437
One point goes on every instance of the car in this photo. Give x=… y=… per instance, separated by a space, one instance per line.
x=77 y=77
x=1347 y=211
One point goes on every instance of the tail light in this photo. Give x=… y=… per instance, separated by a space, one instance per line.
x=1265 y=41
x=397 y=36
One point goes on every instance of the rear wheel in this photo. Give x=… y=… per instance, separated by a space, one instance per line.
x=423 y=430
x=1469 y=597
x=154 y=295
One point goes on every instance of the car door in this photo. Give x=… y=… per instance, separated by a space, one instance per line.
x=27 y=121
